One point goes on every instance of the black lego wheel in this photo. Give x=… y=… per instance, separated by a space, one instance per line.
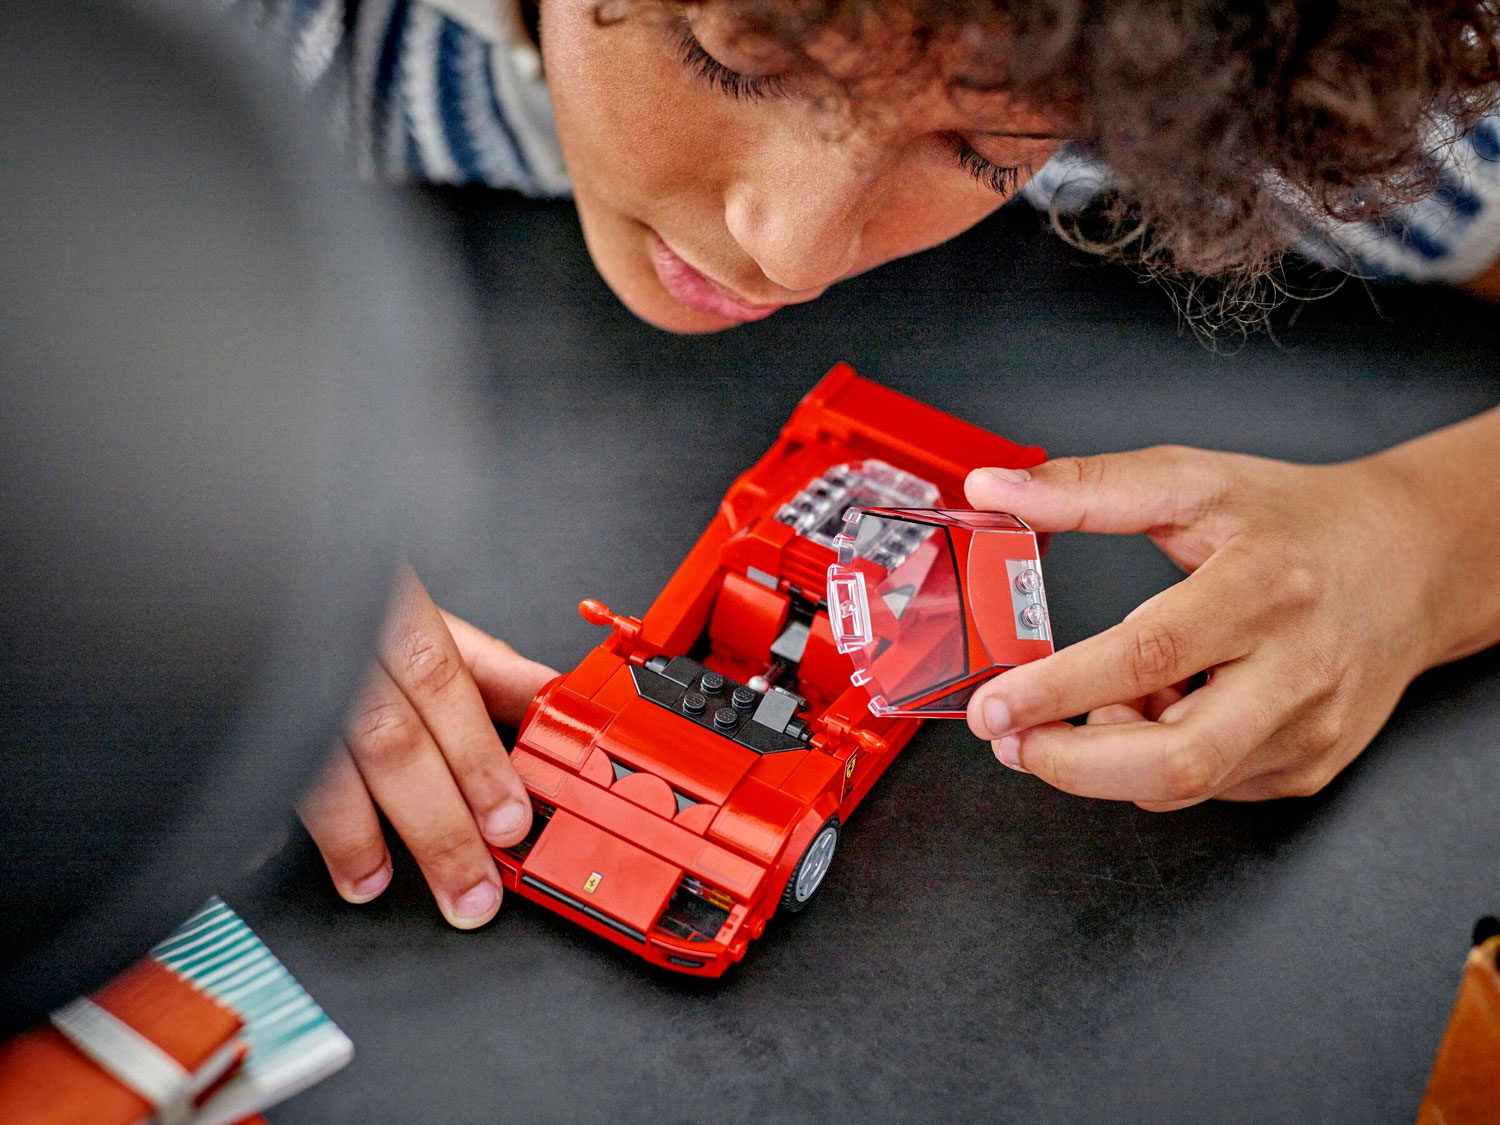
x=808 y=875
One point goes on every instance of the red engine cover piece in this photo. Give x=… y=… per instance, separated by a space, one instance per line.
x=599 y=870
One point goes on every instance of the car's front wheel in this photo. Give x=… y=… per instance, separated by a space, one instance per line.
x=808 y=875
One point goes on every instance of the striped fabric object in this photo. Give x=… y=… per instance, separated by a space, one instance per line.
x=443 y=92
x=292 y=1042
x=1452 y=236
x=309 y=32
x=444 y=101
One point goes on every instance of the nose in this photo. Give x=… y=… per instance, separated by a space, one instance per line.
x=800 y=213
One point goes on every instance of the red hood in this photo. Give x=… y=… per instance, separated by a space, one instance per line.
x=696 y=762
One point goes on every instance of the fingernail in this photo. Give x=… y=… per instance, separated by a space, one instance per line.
x=371 y=885
x=476 y=904
x=996 y=717
x=1008 y=750
x=501 y=825
x=1008 y=476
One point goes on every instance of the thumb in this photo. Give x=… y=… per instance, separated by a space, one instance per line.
x=1120 y=493
x=507 y=681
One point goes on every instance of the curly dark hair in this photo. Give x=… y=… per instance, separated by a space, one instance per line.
x=1227 y=124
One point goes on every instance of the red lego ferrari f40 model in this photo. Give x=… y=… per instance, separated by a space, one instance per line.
x=692 y=775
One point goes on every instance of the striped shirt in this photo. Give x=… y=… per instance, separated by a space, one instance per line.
x=451 y=92
x=441 y=91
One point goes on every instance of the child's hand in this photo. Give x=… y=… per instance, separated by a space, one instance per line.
x=421 y=746
x=1306 y=603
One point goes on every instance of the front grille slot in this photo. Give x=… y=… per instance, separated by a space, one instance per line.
x=583 y=908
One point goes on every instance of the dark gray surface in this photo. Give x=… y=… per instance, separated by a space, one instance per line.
x=984 y=946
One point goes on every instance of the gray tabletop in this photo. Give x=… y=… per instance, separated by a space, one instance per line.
x=984 y=946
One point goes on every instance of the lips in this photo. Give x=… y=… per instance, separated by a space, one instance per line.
x=689 y=287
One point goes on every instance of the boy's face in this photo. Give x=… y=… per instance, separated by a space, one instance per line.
x=707 y=200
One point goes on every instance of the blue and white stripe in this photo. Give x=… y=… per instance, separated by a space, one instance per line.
x=1451 y=236
x=320 y=31
x=436 y=91
x=292 y=1042
x=309 y=31
x=448 y=105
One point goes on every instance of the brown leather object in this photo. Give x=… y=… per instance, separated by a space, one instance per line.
x=1465 y=1085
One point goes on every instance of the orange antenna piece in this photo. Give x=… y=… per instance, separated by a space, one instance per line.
x=597 y=613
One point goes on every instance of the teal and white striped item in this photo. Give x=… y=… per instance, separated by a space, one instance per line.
x=293 y=1044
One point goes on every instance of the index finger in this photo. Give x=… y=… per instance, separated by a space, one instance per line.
x=506 y=679
x=1181 y=631
x=424 y=661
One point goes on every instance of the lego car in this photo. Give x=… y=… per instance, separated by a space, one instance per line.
x=691 y=776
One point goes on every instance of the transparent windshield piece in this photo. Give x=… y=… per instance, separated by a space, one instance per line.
x=930 y=603
x=817 y=512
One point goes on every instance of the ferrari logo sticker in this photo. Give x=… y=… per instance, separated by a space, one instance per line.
x=849 y=773
x=591 y=884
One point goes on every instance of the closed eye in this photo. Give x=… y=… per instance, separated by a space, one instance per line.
x=730 y=83
x=1000 y=178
